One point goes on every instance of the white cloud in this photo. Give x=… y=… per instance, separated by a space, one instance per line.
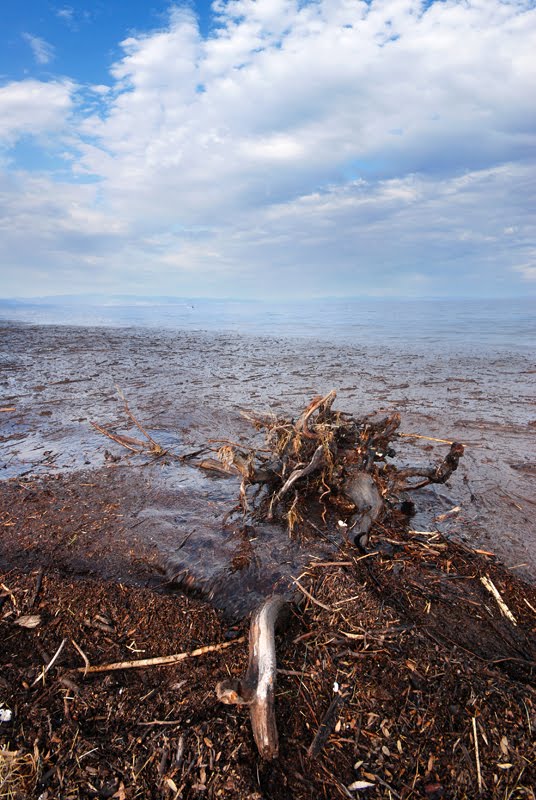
x=33 y=107
x=43 y=52
x=66 y=14
x=382 y=144
x=293 y=95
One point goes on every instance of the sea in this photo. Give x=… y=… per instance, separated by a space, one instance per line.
x=450 y=323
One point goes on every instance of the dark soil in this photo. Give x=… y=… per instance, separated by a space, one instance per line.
x=436 y=685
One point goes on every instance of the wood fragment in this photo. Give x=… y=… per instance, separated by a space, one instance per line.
x=477 y=756
x=161 y=661
x=50 y=664
x=505 y=611
x=28 y=621
x=257 y=688
x=327 y=724
x=38 y=582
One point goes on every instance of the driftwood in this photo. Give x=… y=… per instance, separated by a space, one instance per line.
x=257 y=687
x=439 y=474
x=324 y=457
x=329 y=458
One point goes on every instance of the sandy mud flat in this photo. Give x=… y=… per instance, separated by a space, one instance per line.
x=189 y=387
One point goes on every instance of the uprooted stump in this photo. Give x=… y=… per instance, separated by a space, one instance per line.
x=330 y=461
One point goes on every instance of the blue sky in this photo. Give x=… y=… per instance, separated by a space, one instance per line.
x=268 y=148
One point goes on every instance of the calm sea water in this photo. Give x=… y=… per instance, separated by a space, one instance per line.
x=446 y=324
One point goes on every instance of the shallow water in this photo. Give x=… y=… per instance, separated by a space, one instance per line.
x=189 y=386
x=446 y=325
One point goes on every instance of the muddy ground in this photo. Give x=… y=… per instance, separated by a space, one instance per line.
x=188 y=387
x=436 y=684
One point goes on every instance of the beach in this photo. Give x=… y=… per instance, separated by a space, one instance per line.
x=92 y=534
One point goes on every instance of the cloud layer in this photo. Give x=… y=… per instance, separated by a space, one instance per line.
x=303 y=148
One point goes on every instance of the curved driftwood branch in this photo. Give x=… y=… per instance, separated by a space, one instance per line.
x=439 y=474
x=257 y=688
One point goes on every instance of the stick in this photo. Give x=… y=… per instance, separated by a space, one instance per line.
x=86 y=659
x=50 y=663
x=161 y=661
x=37 y=589
x=439 y=474
x=257 y=687
x=311 y=598
x=428 y=438
x=325 y=728
x=477 y=757
x=138 y=424
x=122 y=440
x=505 y=611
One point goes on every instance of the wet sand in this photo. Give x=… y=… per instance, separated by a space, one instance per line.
x=188 y=387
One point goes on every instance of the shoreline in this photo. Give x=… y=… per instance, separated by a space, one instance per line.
x=187 y=388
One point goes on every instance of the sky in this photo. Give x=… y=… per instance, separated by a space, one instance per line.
x=268 y=148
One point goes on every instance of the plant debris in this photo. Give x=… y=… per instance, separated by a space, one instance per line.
x=331 y=460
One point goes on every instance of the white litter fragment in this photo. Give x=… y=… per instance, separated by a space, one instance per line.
x=335 y=687
x=342 y=524
x=28 y=621
x=6 y=715
x=357 y=785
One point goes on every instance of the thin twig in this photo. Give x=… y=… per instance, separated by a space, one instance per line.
x=311 y=598
x=86 y=659
x=138 y=424
x=50 y=663
x=328 y=721
x=161 y=661
x=505 y=611
x=428 y=438
x=477 y=757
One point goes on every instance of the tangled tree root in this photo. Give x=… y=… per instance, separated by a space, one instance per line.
x=331 y=461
